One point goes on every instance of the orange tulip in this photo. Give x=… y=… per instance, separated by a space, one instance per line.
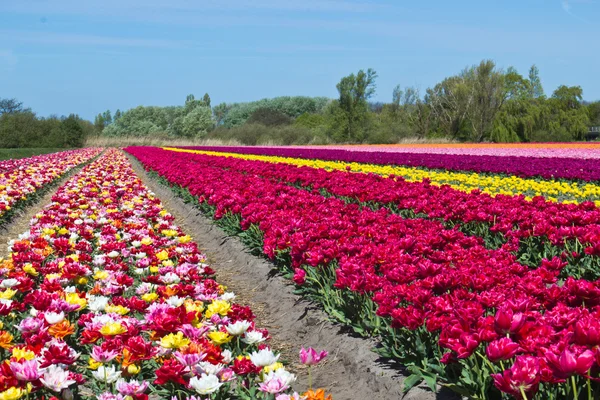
x=318 y=395
x=61 y=329
x=6 y=340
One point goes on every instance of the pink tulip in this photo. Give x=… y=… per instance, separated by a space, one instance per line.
x=26 y=370
x=311 y=357
x=103 y=356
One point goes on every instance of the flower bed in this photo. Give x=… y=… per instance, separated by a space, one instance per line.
x=440 y=302
x=555 y=191
x=547 y=168
x=106 y=298
x=20 y=178
x=534 y=230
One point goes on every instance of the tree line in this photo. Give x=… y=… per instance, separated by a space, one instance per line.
x=20 y=127
x=480 y=103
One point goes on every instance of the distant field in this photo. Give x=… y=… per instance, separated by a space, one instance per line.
x=5 y=154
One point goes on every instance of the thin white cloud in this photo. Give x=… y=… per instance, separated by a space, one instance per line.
x=567 y=7
x=40 y=37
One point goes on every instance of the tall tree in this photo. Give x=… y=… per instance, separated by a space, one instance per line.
x=536 y=89
x=567 y=113
x=449 y=102
x=107 y=117
x=489 y=94
x=355 y=91
x=99 y=122
x=206 y=100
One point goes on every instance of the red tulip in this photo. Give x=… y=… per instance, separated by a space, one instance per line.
x=507 y=321
x=502 y=349
x=569 y=363
x=522 y=377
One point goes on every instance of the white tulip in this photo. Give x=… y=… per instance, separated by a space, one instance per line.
x=263 y=358
x=238 y=328
x=253 y=337
x=108 y=375
x=8 y=283
x=56 y=379
x=54 y=318
x=206 y=384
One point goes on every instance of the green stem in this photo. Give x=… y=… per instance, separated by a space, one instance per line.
x=575 y=395
x=523 y=392
x=309 y=378
x=589 y=388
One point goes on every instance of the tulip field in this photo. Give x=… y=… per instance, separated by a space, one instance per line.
x=481 y=277
x=475 y=267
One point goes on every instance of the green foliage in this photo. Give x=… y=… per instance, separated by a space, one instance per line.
x=311 y=121
x=594 y=113
x=103 y=120
x=193 y=119
x=10 y=106
x=269 y=117
x=197 y=122
x=24 y=129
x=258 y=134
x=352 y=106
x=567 y=113
x=536 y=90
x=293 y=106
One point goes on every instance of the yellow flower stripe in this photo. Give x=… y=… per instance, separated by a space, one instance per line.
x=556 y=191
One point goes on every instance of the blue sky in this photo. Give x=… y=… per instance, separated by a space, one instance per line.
x=86 y=56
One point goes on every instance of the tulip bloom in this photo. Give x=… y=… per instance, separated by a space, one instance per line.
x=569 y=363
x=502 y=349
x=311 y=357
x=522 y=379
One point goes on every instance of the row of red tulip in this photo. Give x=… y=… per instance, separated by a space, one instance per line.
x=533 y=229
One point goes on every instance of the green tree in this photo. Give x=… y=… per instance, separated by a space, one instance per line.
x=220 y=111
x=594 y=113
x=107 y=117
x=99 y=123
x=536 y=90
x=19 y=129
x=198 y=122
x=206 y=100
x=72 y=132
x=10 y=106
x=449 y=102
x=567 y=113
x=488 y=95
x=355 y=91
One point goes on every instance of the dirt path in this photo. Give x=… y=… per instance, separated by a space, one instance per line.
x=352 y=370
